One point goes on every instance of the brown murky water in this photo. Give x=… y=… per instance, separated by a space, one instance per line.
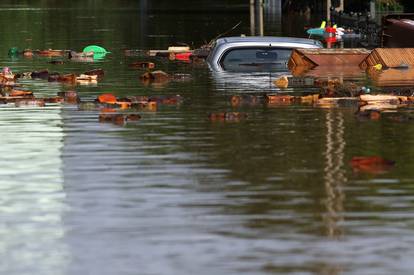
x=176 y=193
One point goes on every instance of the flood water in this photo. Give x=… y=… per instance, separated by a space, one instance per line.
x=176 y=193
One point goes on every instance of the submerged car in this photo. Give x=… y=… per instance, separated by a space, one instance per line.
x=255 y=53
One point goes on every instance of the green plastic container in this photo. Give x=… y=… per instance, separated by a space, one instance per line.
x=98 y=51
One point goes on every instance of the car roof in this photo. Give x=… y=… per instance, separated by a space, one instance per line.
x=222 y=45
x=265 y=39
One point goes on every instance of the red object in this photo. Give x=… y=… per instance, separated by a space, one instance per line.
x=330 y=30
x=371 y=164
x=183 y=56
x=331 y=39
x=107 y=98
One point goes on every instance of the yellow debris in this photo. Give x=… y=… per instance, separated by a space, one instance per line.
x=378 y=67
x=282 y=82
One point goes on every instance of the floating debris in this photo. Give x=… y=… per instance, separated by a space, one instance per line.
x=57 y=62
x=98 y=72
x=118 y=119
x=371 y=164
x=282 y=82
x=279 y=99
x=52 y=53
x=70 y=97
x=107 y=98
x=159 y=77
x=249 y=100
x=30 y=103
x=142 y=65
x=227 y=116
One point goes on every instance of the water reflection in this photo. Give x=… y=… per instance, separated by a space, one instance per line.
x=334 y=173
x=178 y=194
x=31 y=184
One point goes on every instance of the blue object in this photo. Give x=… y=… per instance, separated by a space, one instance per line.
x=316 y=32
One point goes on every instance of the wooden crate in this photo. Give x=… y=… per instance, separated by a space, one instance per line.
x=389 y=57
x=310 y=58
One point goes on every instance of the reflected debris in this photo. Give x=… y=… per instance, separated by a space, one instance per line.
x=227 y=117
x=334 y=173
x=371 y=164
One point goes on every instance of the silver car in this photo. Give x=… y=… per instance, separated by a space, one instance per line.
x=255 y=53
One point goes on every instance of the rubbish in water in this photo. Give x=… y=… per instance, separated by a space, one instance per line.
x=134 y=53
x=249 y=100
x=67 y=78
x=166 y=100
x=52 y=53
x=282 y=82
x=69 y=97
x=171 y=50
x=87 y=78
x=14 y=93
x=57 y=62
x=186 y=57
x=76 y=55
x=98 y=51
x=155 y=76
x=107 y=98
x=311 y=58
x=142 y=65
x=181 y=77
x=380 y=98
x=377 y=67
x=56 y=99
x=279 y=99
x=119 y=119
x=30 y=103
x=98 y=72
x=371 y=164
x=178 y=49
x=227 y=116
x=389 y=58
x=40 y=74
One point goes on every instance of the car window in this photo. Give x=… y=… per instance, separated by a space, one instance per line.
x=255 y=59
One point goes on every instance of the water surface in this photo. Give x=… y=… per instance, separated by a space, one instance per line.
x=176 y=193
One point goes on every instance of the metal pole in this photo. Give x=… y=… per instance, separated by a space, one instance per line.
x=328 y=10
x=252 y=18
x=372 y=9
x=261 y=23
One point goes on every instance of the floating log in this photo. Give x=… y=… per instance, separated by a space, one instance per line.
x=373 y=99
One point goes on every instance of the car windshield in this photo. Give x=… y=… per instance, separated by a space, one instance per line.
x=256 y=59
